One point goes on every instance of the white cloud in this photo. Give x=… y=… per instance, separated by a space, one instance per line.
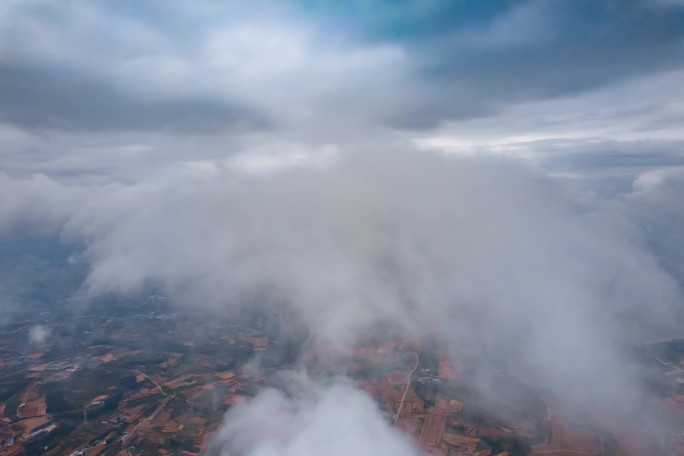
x=39 y=334
x=639 y=109
x=477 y=250
x=274 y=61
x=337 y=419
x=656 y=203
x=38 y=205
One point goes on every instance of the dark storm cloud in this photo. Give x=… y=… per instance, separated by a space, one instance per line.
x=583 y=156
x=474 y=56
x=40 y=97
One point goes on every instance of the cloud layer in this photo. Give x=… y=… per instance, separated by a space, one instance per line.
x=480 y=251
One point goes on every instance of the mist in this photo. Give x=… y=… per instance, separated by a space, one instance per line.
x=478 y=252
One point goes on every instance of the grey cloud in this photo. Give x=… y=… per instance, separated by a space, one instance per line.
x=601 y=156
x=478 y=251
x=37 y=205
x=474 y=58
x=266 y=74
x=466 y=247
x=435 y=61
x=59 y=99
x=656 y=202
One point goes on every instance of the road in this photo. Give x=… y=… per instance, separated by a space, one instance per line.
x=408 y=385
x=149 y=418
x=665 y=363
x=161 y=390
x=563 y=451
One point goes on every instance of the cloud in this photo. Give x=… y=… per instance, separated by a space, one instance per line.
x=39 y=334
x=38 y=205
x=477 y=251
x=472 y=249
x=335 y=419
x=38 y=98
x=300 y=65
x=249 y=71
x=118 y=94
x=656 y=203
x=638 y=109
x=475 y=58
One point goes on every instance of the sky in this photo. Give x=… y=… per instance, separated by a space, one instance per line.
x=441 y=166
x=115 y=91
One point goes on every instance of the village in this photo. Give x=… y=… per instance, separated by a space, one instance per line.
x=123 y=394
x=145 y=380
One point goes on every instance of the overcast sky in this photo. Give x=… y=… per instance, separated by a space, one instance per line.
x=105 y=91
x=439 y=165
